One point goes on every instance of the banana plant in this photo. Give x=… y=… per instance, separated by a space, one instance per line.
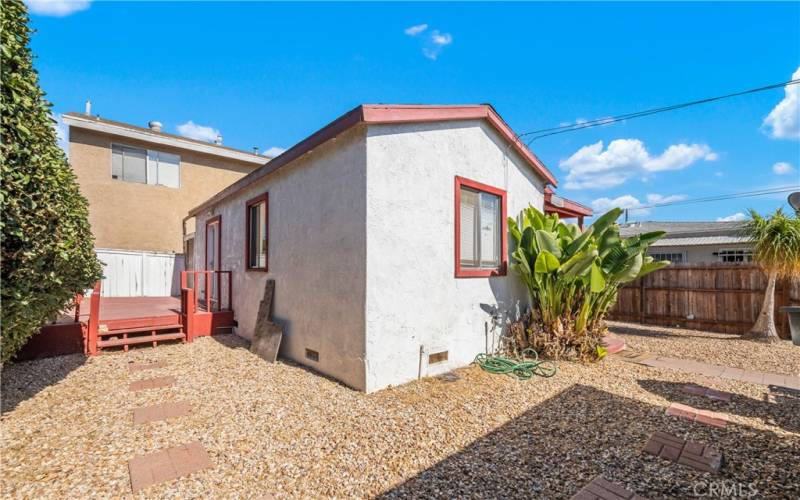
x=573 y=275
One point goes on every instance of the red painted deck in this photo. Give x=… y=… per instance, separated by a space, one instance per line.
x=116 y=308
x=130 y=312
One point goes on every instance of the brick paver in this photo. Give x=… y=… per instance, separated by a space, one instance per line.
x=699 y=390
x=697 y=455
x=137 y=367
x=161 y=411
x=691 y=414
x=601 y=489
x=152 y=383
x=726 y=372
x=168 y=464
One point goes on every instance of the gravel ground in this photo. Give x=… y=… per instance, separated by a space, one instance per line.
x=282 y=430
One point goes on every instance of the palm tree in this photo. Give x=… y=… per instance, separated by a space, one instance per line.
x=776 y=248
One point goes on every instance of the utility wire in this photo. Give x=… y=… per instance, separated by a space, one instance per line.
x=638 y=114
x=721 y=197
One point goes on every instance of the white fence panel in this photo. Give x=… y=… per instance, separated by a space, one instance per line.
x=128 y=273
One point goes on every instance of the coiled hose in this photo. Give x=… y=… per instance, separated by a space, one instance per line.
x=522 y=368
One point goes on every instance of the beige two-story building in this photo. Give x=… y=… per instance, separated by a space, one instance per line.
x=140 y=183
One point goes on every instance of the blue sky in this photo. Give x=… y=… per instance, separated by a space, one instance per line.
x=268 y=75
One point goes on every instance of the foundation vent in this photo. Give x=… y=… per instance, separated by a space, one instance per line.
x=437 y=357
x=312 y=355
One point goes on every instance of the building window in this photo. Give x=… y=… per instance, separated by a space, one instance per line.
x=145 y=166
x=481 y=241
x=675 y=258
x=735 y=255
x=257 y=234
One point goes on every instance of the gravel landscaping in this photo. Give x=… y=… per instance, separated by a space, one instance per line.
x=285 y=431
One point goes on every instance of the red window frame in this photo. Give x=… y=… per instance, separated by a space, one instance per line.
x=481 y=273
x=255 y=201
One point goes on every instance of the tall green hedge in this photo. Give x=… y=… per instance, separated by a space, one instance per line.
x=47 y=244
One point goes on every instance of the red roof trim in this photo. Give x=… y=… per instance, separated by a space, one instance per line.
x=568 y=209
x=384 y=114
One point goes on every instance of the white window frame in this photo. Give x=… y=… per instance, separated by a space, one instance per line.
x=148 y=154
x=661 y=255
x=747 y=255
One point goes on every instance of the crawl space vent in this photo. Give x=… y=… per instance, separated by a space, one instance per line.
x=437 y=357
x=312 y=355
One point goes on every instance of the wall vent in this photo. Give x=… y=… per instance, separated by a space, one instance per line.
x=312 y=355
x=437 y=357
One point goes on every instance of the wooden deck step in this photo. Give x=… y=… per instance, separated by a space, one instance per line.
x=143 y=339
x=141 y=329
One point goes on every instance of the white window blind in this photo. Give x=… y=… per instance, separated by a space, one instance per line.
x=480 y=229
x=145 y=166
x=469 y=222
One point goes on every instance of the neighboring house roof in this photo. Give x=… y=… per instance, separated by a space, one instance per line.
x=688 y=233
x=700 y=240
x=88 y=122
x=376 y=114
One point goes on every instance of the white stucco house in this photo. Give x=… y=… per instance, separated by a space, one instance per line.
x=384 y=232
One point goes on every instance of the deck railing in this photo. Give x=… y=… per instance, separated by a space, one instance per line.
x=211 y=291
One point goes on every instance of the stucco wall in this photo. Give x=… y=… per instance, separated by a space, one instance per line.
x=132 y=216
x=413 y=299
x=699 y=254
x=317 y=250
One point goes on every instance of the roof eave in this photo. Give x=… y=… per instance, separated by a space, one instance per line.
x=375 y=114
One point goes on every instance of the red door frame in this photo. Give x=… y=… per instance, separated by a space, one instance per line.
x=215 y=220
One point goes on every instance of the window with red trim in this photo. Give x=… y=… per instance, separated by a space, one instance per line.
x=481 y=240
x=257 y=233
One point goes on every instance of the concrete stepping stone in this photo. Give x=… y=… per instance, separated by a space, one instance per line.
x=691 y=414
x=168 y=464
x=696 y=455
x=601 y=489
x=161 y=411
x=638 y=357
x=726 y=372
x=137 y=367
x=152 y=383
x=699 y=390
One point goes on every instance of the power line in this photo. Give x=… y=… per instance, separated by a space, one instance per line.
x=638 y=114
x=721 y=197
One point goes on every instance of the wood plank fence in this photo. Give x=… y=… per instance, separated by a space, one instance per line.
x=722 y=298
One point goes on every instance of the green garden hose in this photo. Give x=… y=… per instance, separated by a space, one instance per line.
x=522 y=368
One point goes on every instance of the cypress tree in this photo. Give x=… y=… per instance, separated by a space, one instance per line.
x=47 y=245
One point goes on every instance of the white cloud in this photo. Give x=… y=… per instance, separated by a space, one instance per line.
x=198 y=132
x=274 y=151
x=782 y=168
x=433 y=43
x=602 y=205
x=593 y=167
x=57 y=8
x=737 y=217
x=415 y=30
x=441 y=39
x=783 y=122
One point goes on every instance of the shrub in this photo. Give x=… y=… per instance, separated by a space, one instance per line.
x=47 y=244
x=572 y=277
